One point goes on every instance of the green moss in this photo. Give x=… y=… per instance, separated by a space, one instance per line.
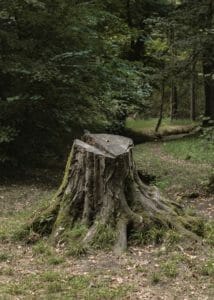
x=66 y=175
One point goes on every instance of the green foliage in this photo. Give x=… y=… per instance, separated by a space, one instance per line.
x=172 y=237
x=208 y=268
x=76 y=233
x=50 y=276
x=154 y=235
x=209 y=232
x=55 y=260
x=105 y=236
x=41 y=247
x=4 y=256
x=77 y=250
x=73 y=240
x=170 y=268
x=66 y=66
x=208 y=133
x=194 y=149
x=164 y=164
x=155 y=278
x=61 y=70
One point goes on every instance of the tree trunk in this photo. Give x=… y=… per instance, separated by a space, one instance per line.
x=174 y=101
x=161 y=107
x=174 y=95
x=209 y=88
x=193 y=94
x=208 y=66
x=102 y=189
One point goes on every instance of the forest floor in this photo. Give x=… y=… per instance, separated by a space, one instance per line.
x=167 y=271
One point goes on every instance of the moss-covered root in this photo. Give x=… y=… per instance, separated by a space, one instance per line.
x=103 y=192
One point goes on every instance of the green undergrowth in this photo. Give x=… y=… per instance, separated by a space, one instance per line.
x=55 y=285
x=72 y=238
x=207 y=269
x=105 y=236
x=104 y=239
x=150 y=233
x=191 y=149
x=13 y=225
x=170 y=174
x=209 y=232
x=168 y=269
x=148 y=125
x=169 y=237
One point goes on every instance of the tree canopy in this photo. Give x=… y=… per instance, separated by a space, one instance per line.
x=69 y=65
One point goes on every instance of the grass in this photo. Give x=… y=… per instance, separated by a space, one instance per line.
x=155 y=277
x=170 y=268
x=8 y=228
x=11 y=228
x=76 y=250
x=208 y=268
x=4 y=256
x=6 y=271
x=105 y=236
x=149 y=125
x=55 y=260
x=154 y=236
x=193 y=149
x=40 y=271
x=72 y=238
x=209 y=232
x=41 y=247
x=156 y=159
x=63 y=286
x=50 y=276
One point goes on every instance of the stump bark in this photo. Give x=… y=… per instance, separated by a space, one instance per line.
x=101 y=188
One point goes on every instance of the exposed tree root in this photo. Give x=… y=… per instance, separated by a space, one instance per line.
x=103 y=192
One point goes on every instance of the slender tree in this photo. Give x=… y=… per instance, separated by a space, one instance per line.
x=193 y=93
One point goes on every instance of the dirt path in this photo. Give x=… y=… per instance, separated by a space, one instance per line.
x=182 y=180
x=165 y=157
x=201 y=201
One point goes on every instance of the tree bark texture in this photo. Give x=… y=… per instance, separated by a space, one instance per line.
x=101 y=187
x=161 y=107
x=193 y=94
x=174 y=101
x=208 y=65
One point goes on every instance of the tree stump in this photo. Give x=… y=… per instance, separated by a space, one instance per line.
x=101 y=188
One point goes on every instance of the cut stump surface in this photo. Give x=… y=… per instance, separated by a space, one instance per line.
x=101 y=189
